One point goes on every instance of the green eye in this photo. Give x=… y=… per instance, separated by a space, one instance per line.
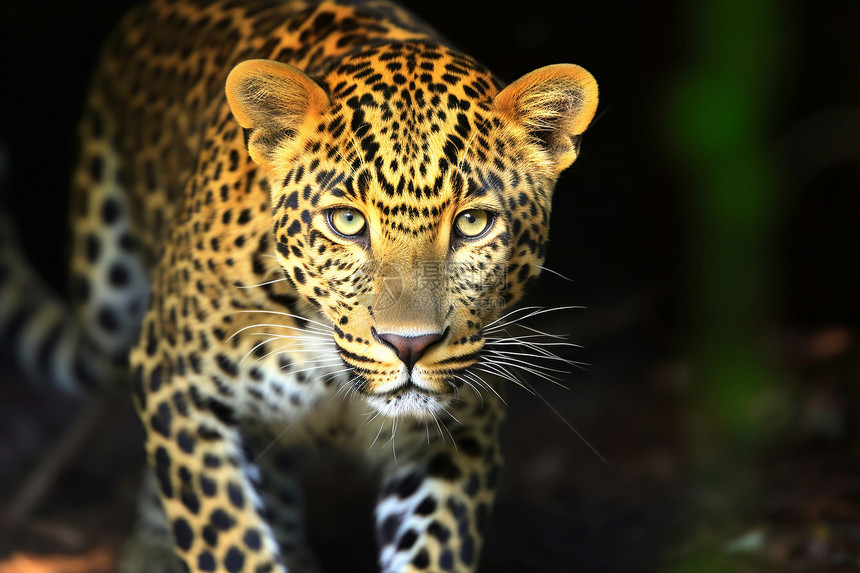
x=346 y=222
x=473 y=223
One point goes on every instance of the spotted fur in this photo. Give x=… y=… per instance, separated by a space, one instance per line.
x=204 y=246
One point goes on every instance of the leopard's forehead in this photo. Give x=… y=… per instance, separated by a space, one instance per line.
x=413 y=122
x=411 y=75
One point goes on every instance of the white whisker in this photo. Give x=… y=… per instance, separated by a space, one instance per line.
x=535 y=311
x=319 y=364
x=326 y=327
x=502 y=372
x=313 y=332
x=556 y=273
x=548 y=377
x=513 y=361
x=247 y=354
x=548 y=356
x=487 y=385
x=379 y=433
x=327 y=375
x=265 y=283
x=568 y=424
x=509 y=340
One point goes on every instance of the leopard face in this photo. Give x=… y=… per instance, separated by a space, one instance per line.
x=411 y=197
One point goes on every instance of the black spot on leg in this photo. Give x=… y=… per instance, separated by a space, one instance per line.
x=210 y=536
x=151 y=340
x=205 y=561
x=473 y=485
x=208 y=486
x=388 y=529
x=237 y=498
x=183 y=534
x=234 y=561
x=421 y=560
x=442 y=466
x=469 y=446
x=180 y=403
x=440 y=532
x=161 y=420
x=97 y=168
x=426 y=507
x=107 y=320
x=162 y=472
x=446 y=560
x=405 y=486
x=110 y=211
x=467 y=550
x=155 y=379
x=190 y=500
x=222 y=520
x=252 y=539
x=186 y=442
x=127 y=243
x=408 y=540
x=92 y=246
x=118 y=275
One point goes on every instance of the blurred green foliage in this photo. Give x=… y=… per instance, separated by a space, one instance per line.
x=720 y=111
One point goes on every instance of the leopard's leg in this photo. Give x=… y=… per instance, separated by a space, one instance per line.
x=109 y=283
x=434 y=505
x=206 y=483
x=151 y=547
x=283 y=500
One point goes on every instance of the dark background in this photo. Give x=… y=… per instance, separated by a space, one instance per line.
x=631 y=234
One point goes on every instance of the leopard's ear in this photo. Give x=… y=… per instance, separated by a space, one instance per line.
x=555 y=104
x=272 y=101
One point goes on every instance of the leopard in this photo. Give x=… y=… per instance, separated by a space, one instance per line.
x=302 y=222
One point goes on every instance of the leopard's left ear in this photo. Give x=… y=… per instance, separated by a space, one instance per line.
x=272 y=101
x=555 y=104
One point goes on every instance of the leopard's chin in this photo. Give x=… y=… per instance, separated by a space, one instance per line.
x=411 y=403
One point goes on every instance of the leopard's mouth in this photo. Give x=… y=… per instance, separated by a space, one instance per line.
x=418 y=389
x=409 y=395
x=410 y=401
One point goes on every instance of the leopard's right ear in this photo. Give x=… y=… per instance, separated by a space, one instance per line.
x=554 y=104
x=272 y=102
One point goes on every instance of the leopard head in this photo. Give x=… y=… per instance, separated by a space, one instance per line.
x=411 y=198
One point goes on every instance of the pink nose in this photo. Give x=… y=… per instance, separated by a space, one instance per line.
x=409 y=348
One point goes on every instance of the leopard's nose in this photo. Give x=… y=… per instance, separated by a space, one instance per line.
x=409 y=349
